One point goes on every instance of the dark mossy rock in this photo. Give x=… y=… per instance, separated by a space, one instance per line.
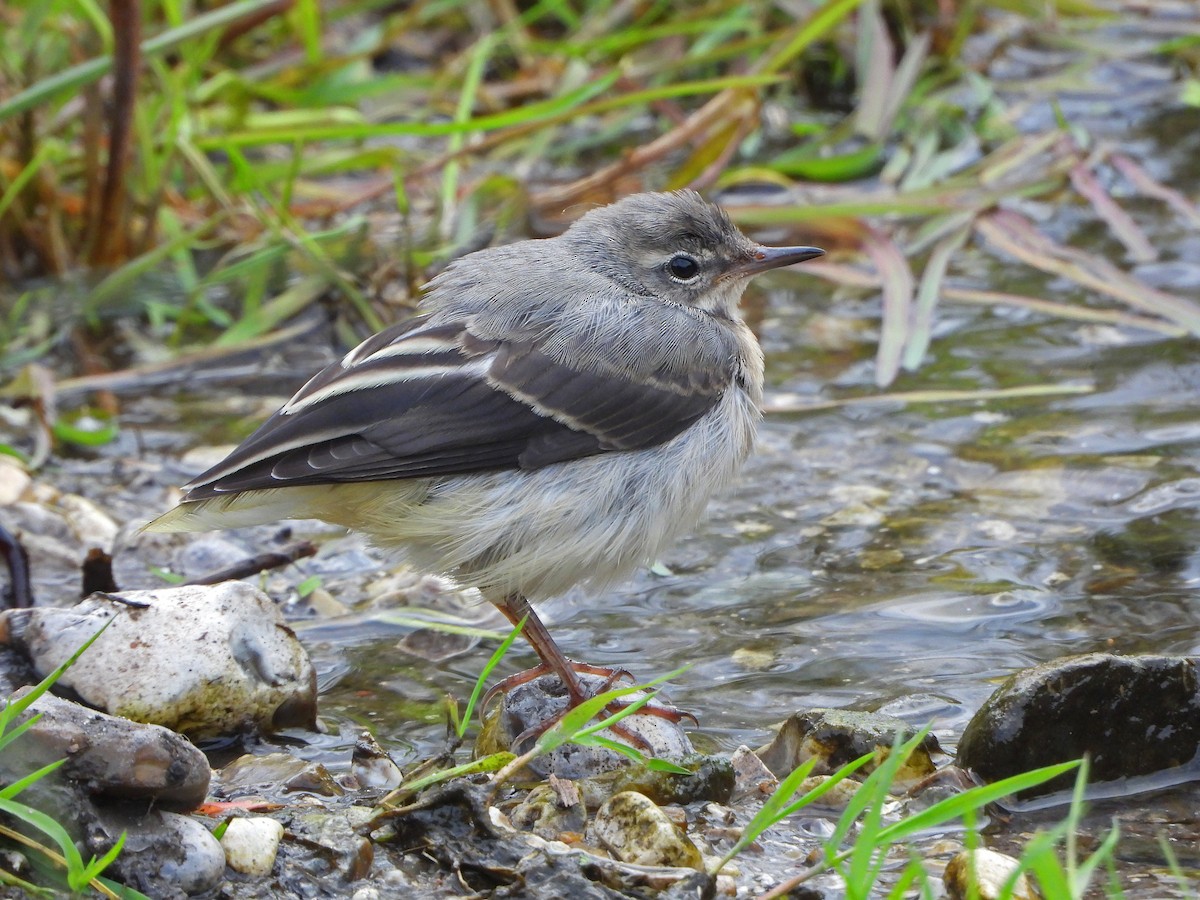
x=1132 y=715
x=550 y=810
x=108 y=758
x=119 y=778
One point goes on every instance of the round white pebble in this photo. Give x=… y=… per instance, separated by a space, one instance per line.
x=251 y=844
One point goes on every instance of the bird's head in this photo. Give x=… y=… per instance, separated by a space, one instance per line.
x=676 y=247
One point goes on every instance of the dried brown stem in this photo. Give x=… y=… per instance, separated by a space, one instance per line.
x=250 y=22
x=127 y=35
x=601 y=181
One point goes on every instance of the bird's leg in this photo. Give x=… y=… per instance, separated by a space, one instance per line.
x=515 y=608
x=553 y=661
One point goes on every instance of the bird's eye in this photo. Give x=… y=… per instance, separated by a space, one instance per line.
x=682 y=267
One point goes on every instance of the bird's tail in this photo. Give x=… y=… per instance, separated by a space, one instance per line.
x=234 y=511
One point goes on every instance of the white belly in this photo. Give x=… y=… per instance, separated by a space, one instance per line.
x=589 y=521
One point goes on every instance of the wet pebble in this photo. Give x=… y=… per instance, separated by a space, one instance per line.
x=835 y=798
x=14 y=481
x=207 y=553
x=45 y=535
x=201 y=660
x=751 y=777
x=91 y=526
x=115 y=759
x=635 y=830
x=551 y=811
x=542 y=699
x=837 y=737
x=991 y=871
x=272 y=774
x=1133 y=715
x=251 y=844
x=251 y=772
x=165 y=854
x=120 y=777
x=372 y=766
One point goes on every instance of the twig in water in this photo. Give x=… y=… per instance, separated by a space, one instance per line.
x=260 y=563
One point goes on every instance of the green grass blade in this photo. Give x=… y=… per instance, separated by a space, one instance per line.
x=529 y=113
x=818 y=25
x=11 y=790
x=954 y=807
x=650 y=762
x=81 y=879
x=481 y=682
x=124 y=891
x=771 y=811
x=16 y=706
x=491 y=763
x=11 y=735
x=50 y=828
x=828 y=784
x=76 y=77
x=31 y=168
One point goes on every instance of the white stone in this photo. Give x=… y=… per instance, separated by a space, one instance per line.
x=91 y=525
x=251 y=844
x=201 y=660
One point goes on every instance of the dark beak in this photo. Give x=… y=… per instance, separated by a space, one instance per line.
x=766 y=258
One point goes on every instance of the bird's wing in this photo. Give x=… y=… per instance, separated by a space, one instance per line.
x=427 y=398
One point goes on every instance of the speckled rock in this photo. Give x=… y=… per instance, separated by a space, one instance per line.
x=709 y=778
x=551 y=810
x=336 y=833
x=201 y=660
x=166 y=855
x=991 y=871
x=635 y=830
x=1133 y=715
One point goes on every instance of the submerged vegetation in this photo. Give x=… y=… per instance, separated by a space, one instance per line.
x=217 y=171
